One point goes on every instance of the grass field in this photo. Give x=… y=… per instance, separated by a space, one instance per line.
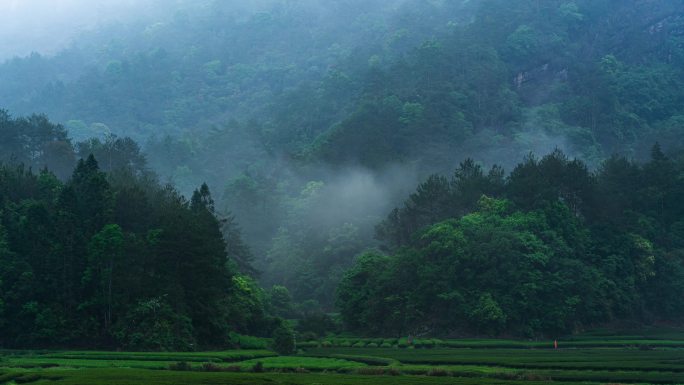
x=643 y=358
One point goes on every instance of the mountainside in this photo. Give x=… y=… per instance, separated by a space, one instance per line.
x=600 y=75
x=311 y=119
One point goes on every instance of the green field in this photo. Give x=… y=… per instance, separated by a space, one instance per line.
x=647 y=358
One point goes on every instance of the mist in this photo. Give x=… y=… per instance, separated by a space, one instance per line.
x=311 y=120
x=265 y=181
x=48 y=26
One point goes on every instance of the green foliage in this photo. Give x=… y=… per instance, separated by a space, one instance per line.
x=36 y=142
x=281 y=301
x=363 y=84
x=567 y=249
x=152 y=325
x=488 y=315
x=293 y=362
x=478 y=365
x=116 y=260
x=181 y=366
x=105 y=251
x=248 y=342
x=283 y=339
x=419 y=83
x=313 y=246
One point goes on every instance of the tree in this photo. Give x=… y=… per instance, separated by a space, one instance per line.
x=284 y=340
x=116 y=260
x=92 y=195
x=5 y=255
x=491 y=271
x=152 y=325
x=115 y=153
x=281 y=301
x=105 y=252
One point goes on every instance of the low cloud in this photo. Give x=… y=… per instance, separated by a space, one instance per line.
x=47 y=26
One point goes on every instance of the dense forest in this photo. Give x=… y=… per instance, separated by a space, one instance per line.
x=550 y=249
x=115 y=259
x=310 y=121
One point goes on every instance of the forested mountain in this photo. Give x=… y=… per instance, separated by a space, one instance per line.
x=310 y=120
x=211 y=61
x=599 y=74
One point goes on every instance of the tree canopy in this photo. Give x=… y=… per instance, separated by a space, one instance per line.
x=549 y=250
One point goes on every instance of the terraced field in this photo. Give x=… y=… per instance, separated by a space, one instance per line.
x=645 y=359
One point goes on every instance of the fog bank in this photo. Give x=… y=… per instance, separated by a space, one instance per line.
x=47 y=26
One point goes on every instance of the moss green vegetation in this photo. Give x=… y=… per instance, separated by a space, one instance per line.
x=429 y=364
x=600 y=358
x=82 y=359
x=646 y=339
x=308 y=363
x=151 y=377
x=526 y=259
x=377 y=84
x=543 y=247
x=223 y=356
x=325 y=136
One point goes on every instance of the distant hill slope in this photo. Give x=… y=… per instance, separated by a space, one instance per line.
x=377 y=82
x=209 y=63
x=308 y=118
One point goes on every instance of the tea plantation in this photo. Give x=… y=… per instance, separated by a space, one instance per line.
x=645 y=358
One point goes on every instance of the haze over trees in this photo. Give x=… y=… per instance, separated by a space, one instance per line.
x=542 y=206
x=549 y=250
x=116 y=259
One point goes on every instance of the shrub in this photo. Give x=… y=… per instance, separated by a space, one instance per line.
x=153 y=325
x=386 y=345
x=308 y=336
x=247 y=342
x=534 y=377
x=308 y=344
x=372 y=345
x=180 y=366
x=505 y=375
x=319 y=324
x=26 y=379
x=359 y=344
x=436 y=372
x=283 y=340
x=7 y=377
x=210 y=367
x=426 y=344
x=371 y=371
x=258 y=367
x=342 y=342
x=376 y=371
